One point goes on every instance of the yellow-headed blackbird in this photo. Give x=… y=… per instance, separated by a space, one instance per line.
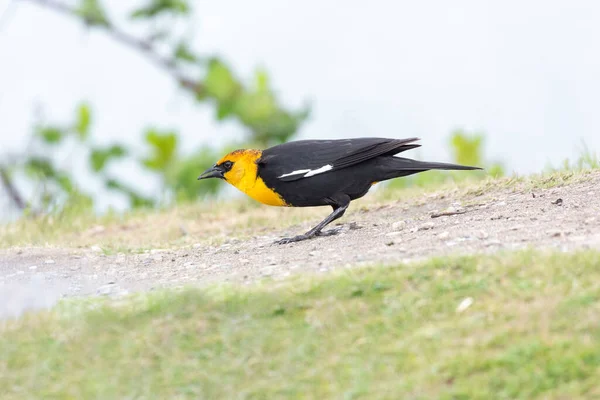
x=308 y=173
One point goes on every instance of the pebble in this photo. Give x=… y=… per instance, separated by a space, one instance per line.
x=96 y=249
x=444 y=235
x=398 y=225
x=463 y=305
x=482 y=235
x=33 y=267
x=49 y=262
x=106 y=290
x=427 y=226
x=493 y=242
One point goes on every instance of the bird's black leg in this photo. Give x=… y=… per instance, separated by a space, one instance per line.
x=338 y=211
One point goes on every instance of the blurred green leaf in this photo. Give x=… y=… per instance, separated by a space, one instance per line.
x=219 y=83
x=93 y=13
x=467 y=149
x=262 y=80
x=51 y=135
x=183 y=53
x=65 y=182
x=37 y=166
x=156 y=7
x=82 y=125
x=182 y=177
x=136 y=200
x=163 y=146
x=100 y=157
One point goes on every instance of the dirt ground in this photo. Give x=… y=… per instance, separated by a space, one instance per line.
x=563 y=218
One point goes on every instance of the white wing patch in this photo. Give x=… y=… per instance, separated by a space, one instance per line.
x=300 y=171
x=309 y=172
x=324 y=168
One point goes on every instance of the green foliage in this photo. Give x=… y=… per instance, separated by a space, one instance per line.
x=257 y=108
x=183 y=53
x=82 y=125
x=254 y=105
x=163 y=147
x=182 y=177
x=136 y=200
x=51 y=134
x=99 y=157
x=154 y=8
x=92 y=13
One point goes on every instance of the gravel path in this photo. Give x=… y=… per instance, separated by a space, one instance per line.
x=565 y=218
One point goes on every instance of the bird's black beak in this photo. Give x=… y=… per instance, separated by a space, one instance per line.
x=212 y=172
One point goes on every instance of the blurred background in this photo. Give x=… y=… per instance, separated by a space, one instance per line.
x=111 y=105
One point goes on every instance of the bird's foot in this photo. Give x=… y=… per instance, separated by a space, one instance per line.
x=294 y=239
x=329 y=232
x=309 y=235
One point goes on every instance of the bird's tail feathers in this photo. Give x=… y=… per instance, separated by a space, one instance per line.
x=396 y=167
x=426 y=165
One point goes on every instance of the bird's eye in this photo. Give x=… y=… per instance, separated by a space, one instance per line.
x=227 y=165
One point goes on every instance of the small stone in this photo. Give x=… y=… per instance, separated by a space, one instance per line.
x=493 y=242
x=33 y=267
x=482 y=235
x=49 y=262
x=197 y=245
x=500 y=204
x=391 y=243
x=74 y=267
x=427 y=226
x=96 y=249
x=398 y=225
x=590 y=220
x=393 y=233
x=444 y=235
x=558 y=202
x=554 y=233
x=463 y=305
x=105 y=290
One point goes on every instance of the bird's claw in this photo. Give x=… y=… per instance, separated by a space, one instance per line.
x=306 y=236
x=329 y=232
x=294 y=239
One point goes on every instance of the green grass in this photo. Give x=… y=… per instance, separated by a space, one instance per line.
x=532 y=332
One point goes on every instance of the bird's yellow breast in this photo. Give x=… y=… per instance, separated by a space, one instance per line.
x=260 y=192
x=244 y=176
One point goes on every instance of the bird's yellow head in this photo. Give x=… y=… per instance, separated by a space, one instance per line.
x=240 y=169
x=237 y=168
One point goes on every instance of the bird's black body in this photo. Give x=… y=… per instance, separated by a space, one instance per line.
x=356 y=165
x=309 y=173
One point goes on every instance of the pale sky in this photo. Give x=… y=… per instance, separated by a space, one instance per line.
x=525 y=72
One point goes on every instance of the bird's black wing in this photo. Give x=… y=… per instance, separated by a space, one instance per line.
x=306 y=158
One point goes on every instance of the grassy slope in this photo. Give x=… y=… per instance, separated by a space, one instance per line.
x=533 y=331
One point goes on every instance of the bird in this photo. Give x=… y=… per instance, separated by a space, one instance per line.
x=312 y=173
